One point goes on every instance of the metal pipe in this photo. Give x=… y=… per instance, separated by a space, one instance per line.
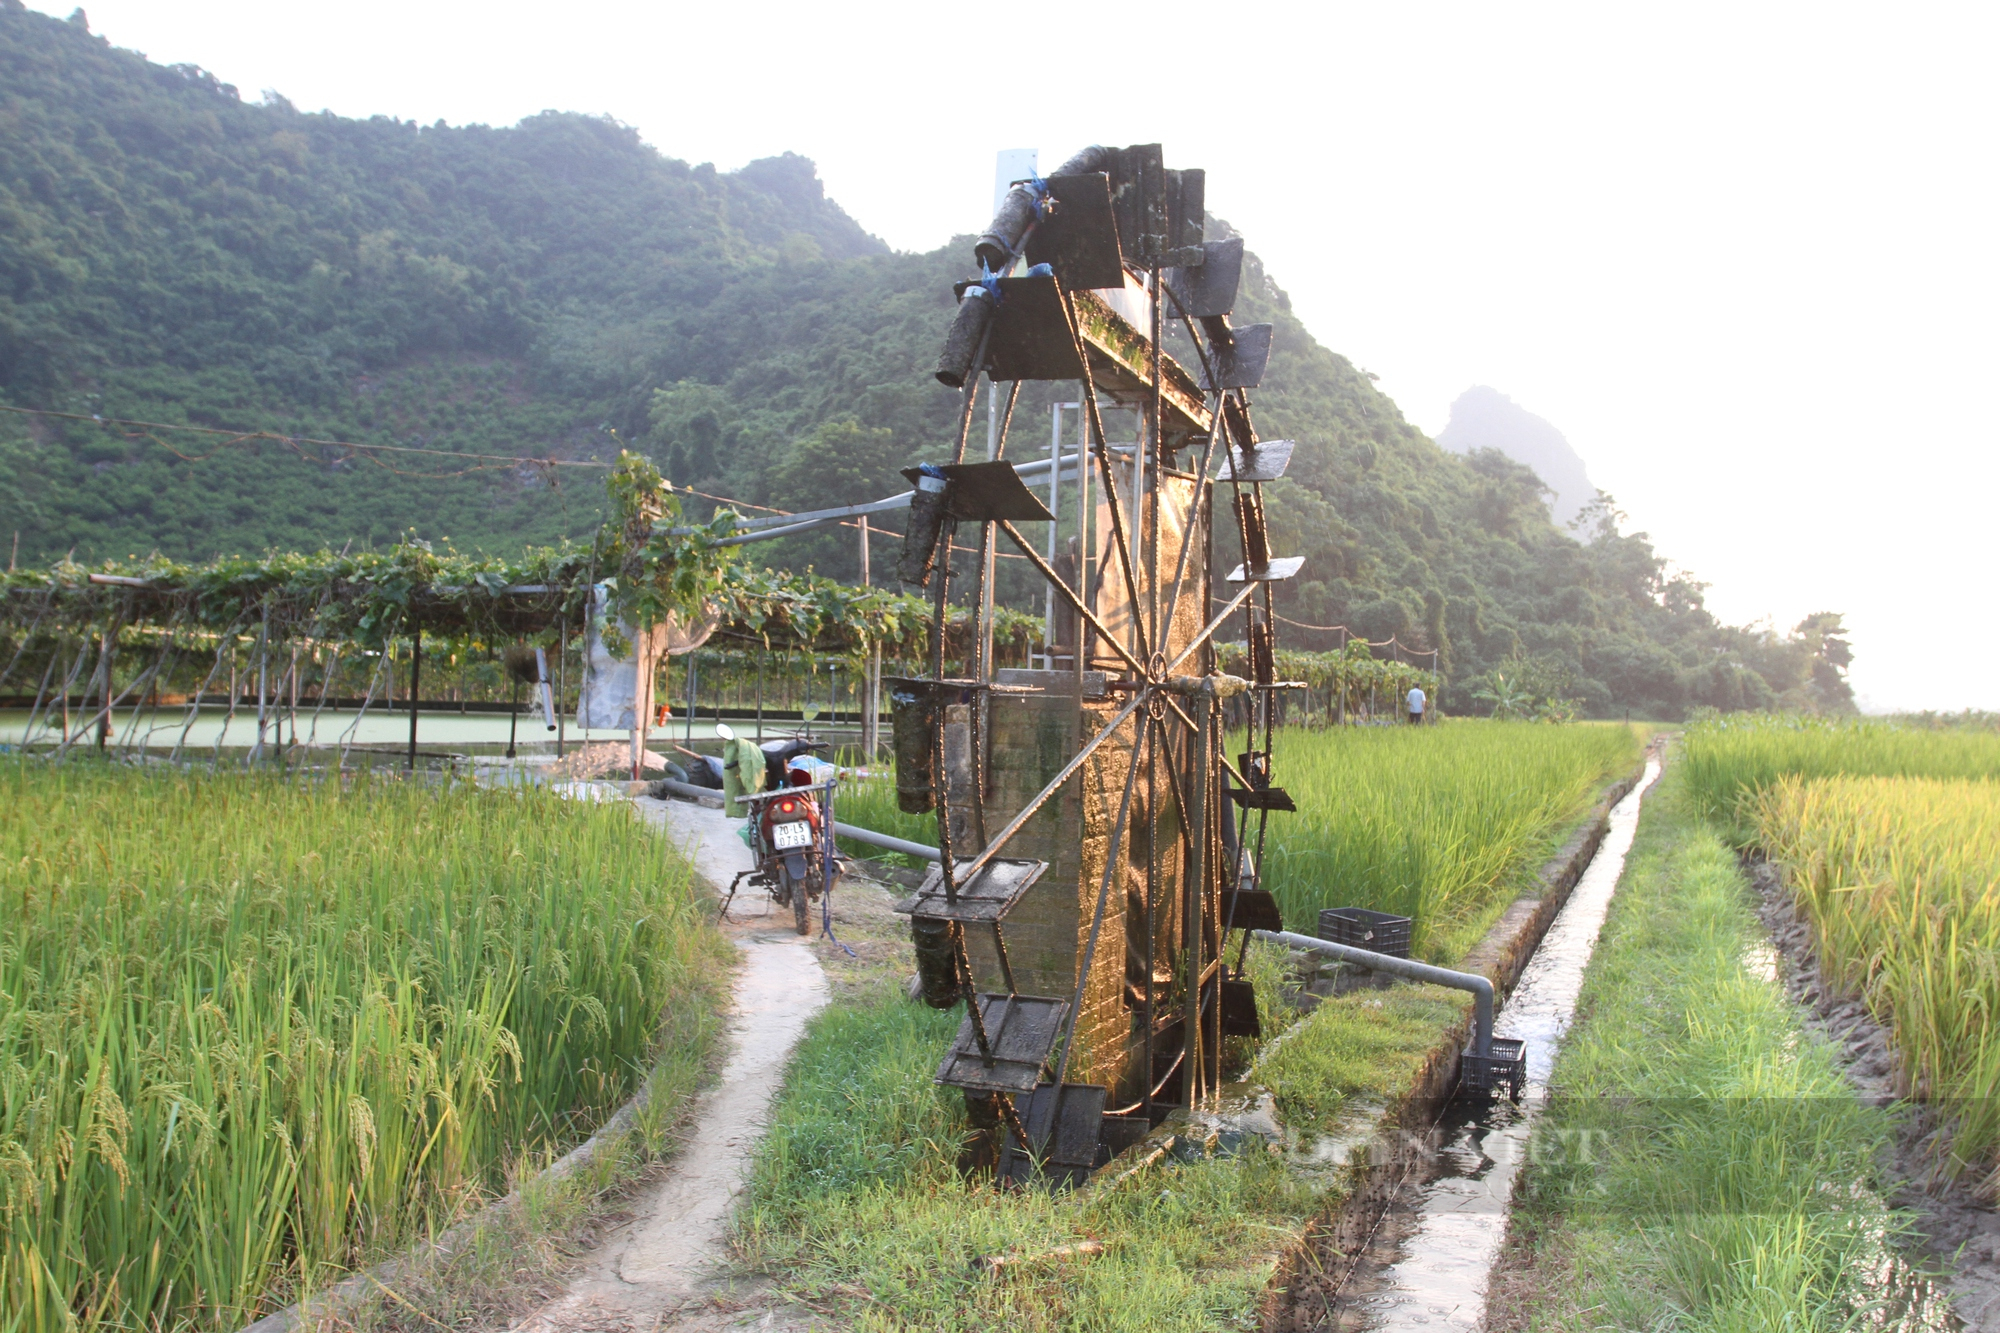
x=814 y=525
x=900 y=500
x=785 y=525
x=1070 y=463
x=883 y=840
x=416 y=666
x=1481 y=988
x=688 y=789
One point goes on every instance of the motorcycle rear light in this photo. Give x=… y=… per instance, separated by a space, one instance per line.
x=786 y=807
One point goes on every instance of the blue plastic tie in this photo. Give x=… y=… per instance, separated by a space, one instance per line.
x=1040 y=271
x=933 y=470
x=826 y=923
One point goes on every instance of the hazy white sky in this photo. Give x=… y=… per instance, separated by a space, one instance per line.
x=1742 y=255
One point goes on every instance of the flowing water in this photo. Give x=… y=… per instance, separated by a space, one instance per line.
x=1426 y=1265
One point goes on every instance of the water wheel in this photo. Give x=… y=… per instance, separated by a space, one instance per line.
x=1100 y=843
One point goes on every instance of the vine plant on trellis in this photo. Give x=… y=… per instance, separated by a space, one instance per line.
x=125 y=630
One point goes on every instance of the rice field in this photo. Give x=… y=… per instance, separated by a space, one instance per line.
x=255 y=1033
x=1440 y=824
x=1436 y=823
x=1901 y=879
x=1889 y=833
x=1730 y=758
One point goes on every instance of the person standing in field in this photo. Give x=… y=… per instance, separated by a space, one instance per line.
x=1416 y=703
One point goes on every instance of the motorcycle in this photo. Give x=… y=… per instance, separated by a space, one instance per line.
x=779 y=755
x=791 y=828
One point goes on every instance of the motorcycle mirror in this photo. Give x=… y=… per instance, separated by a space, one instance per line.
x=724 y=730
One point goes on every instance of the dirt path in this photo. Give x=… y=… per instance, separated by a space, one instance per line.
x=669 y=1265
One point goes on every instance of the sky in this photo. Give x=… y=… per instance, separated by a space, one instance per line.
x=1742 y=255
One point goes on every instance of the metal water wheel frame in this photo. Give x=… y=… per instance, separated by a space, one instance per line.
x=1178 y=751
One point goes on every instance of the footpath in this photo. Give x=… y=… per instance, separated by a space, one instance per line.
x=669 y=1266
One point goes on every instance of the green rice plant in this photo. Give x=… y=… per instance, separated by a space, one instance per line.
x=256 y=1033
x=1438 y=824
x=870 y=803
x=1435 y=823
x=1703 y=1163
x=1728 y=758
x=1901 y=879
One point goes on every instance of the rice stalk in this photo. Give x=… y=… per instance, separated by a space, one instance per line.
x=1434 y=823
x=1901 y=880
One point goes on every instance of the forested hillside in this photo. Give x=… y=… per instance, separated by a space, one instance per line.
x=171 y=253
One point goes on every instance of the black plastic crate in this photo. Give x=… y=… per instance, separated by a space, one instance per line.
x=1359 y=928
x=1504 y=1065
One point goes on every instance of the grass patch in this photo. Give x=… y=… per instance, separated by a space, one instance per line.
x=1363 y=1044
x=856 y=1202
x=256 y=1033
x=1703 y=1164
x=1441 y=824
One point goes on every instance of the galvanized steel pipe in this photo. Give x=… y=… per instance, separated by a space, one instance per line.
x=869 y=836
x=874 y=839
x=1481 y=988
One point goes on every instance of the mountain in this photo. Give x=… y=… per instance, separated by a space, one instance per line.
x=1484 y=418
x=557 y=290
x=169 y=253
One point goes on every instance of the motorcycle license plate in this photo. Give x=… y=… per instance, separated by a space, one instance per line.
x=798 y=833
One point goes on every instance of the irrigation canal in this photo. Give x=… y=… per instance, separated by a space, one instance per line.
x=1426 y=1265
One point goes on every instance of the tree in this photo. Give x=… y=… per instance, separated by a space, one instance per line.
x=1823 y=637
x=1529 y=687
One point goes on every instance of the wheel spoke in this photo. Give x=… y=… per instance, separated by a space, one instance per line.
x=1069 y=594
x=1215 y=427
x=1209 y=630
